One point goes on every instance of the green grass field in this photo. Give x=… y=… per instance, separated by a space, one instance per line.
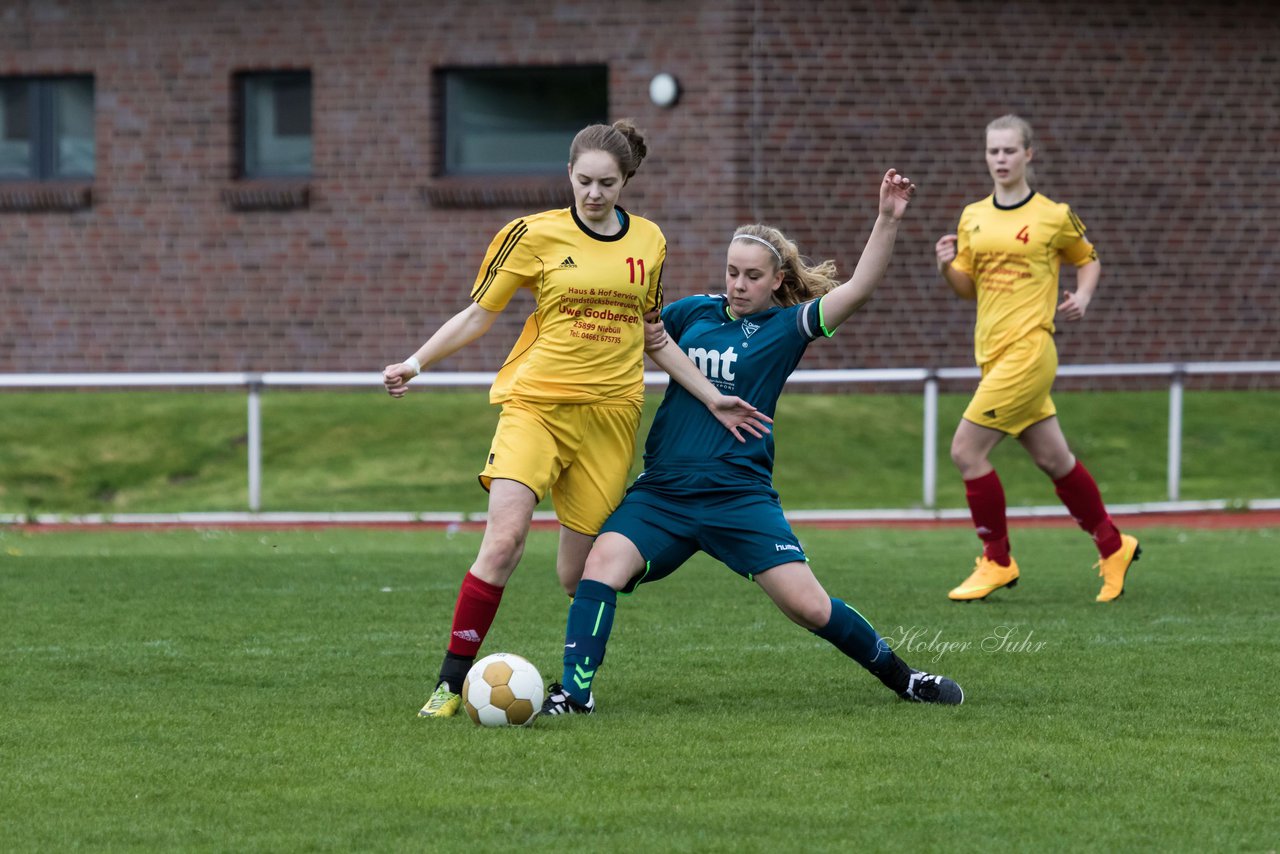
x=256 y=691
x=131 y=452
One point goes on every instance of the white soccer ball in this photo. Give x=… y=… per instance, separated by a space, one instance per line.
x=503 y=689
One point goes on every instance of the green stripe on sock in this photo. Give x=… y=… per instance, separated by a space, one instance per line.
x=881 y=646
x=856 y=611
x=599 y=614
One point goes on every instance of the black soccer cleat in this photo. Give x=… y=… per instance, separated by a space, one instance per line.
x=927 y=688
x=561 y=702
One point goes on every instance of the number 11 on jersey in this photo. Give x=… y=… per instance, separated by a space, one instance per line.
x=633 y=263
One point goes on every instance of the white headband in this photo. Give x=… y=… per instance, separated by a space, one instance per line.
x=772 y=248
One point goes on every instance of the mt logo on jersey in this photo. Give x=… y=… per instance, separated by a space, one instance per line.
x=713 y=363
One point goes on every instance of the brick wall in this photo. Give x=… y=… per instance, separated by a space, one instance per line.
x=1159 y=122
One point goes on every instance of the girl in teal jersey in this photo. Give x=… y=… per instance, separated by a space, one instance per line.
x=699 y=493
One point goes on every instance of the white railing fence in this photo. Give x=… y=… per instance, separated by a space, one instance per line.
x=255 y=383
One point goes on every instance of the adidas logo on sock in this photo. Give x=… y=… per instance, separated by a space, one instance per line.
x=567 y=263
x=468 y=635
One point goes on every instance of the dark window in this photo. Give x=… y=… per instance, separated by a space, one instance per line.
x=517 y=120
x=275 y=134
x=46 y=128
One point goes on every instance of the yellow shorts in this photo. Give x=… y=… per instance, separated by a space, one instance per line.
x=580 y=452
x=1014 y=392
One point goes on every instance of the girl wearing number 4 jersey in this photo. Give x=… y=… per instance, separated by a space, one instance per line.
x=1005 y=255
x=700 y=492
x=572 y=388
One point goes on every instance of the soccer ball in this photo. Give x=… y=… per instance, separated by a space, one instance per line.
x=502 y=689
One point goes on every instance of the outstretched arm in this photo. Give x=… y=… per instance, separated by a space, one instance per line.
x=457 y=332
x=734 y=413
x=895 y=194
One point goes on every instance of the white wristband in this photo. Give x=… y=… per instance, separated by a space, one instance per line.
x=413 y=362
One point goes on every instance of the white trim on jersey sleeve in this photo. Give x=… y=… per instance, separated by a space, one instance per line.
x=809 y=320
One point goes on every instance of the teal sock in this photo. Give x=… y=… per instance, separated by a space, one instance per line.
x=586 y=635
x=850 y=633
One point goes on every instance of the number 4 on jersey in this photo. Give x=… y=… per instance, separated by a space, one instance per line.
x=1024 y=235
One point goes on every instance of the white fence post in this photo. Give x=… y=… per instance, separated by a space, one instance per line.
x=255 y=443
x=1175 y=432
x=931 y=441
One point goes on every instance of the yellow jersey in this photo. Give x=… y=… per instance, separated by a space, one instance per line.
x=584 y=341
x=1013 y=256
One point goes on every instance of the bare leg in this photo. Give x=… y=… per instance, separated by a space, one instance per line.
x=797 y=593
x=510 y=510
x=614 y=561
x=1048 y=448
x=971 y=446
x=572 y=558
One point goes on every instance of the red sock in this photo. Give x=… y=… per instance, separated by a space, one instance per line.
x=986 y=505
x=473 y=615
x=1079 y=492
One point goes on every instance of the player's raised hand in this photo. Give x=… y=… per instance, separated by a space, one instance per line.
x=396 y=378
x=895 y=194
x=945 y=249
x=739 y=416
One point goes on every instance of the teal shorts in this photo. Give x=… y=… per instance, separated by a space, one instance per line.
x=745 y=530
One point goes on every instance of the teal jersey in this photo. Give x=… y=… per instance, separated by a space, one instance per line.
x=750 y=357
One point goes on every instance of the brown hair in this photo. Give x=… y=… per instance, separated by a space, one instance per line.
x=801 y=279
x=621 y=140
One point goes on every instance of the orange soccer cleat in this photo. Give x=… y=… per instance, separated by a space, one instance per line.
x=987 y=577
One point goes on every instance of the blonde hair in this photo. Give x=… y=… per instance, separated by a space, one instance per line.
x=1012 y=121
x=801 y=279
x=621 y=140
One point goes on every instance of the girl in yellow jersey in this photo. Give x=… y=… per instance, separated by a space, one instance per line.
x=572 y=388
x=1006 y=255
